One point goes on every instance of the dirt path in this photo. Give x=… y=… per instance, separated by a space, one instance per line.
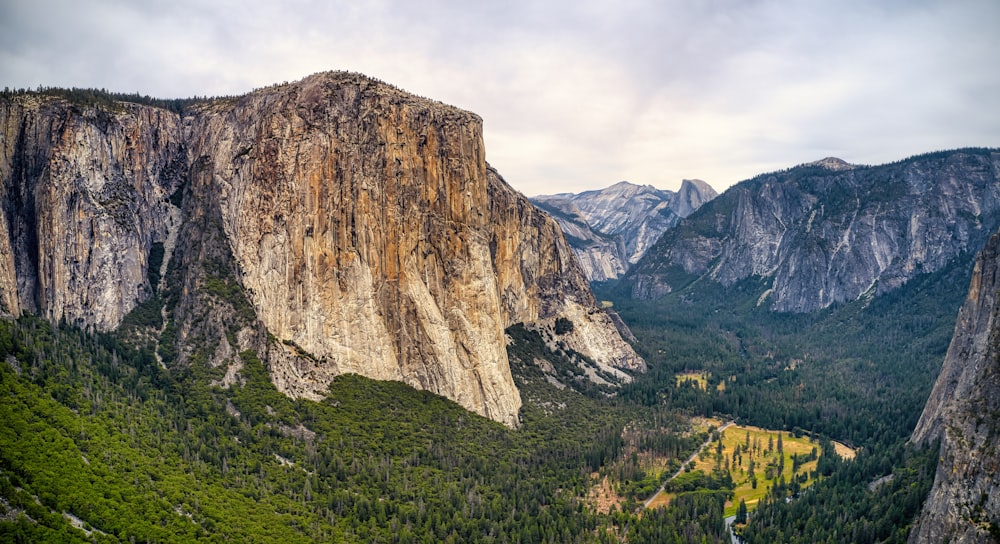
x=686 y=463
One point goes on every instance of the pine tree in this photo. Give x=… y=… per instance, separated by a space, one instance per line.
x=741 y=512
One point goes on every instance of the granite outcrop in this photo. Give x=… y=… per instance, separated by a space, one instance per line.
x=963 y=413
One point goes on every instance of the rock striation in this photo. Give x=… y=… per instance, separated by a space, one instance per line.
x=963 y=412
x=541 y=281
x=830 y=232
x=84 y=194
x=356 y=215
x=612 y=228
x=332 y=225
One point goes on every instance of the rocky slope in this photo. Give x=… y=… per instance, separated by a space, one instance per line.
x=829 y=232
x=612 y=228
x=332 y=225
x=963 y=411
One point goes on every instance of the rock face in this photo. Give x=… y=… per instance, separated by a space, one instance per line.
x=612 y=228
x=541 y=281
x=830 y=232
x=332 y=225
x=84 y=195
x=963 y=411
x=356 y=215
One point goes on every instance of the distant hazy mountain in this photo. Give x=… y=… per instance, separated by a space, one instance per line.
x=612 y=228
x=829 y=232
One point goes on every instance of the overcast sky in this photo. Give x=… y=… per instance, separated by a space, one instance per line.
x=576 y=94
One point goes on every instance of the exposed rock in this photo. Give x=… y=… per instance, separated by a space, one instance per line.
x=833 y=163
x=332 y=225
x=963 y=411
x=357 y=216
x=84 y=195
x=612 y=228
x=692 y=195
x=602 y=256
x=830 y=232
x=540 y=280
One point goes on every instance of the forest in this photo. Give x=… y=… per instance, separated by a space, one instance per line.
x=101 y=436
x=104 y=99
x=858 y=372
x=102 y=443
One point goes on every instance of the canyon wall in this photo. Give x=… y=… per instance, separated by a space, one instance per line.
x=830 y=232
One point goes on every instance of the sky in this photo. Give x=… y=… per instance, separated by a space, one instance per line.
x=574 y=95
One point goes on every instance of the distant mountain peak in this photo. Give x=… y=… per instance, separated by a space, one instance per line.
x=611 y=228
x=697 y=183
x=692 y=194
x=833 y=163
x=626 y=188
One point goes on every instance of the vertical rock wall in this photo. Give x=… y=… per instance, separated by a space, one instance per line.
x=357 y=216
x=963 y=411
x=84 y=196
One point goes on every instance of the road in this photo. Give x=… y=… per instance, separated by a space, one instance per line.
x=729 y=527
x=678 y=473
x=686 y=463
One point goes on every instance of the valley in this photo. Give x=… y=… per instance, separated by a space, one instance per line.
x=316 y=313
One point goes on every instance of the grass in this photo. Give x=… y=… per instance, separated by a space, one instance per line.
x=661 y=500
x=699 y=378
x=705 y=424
x=845 y=451
x=765 y=460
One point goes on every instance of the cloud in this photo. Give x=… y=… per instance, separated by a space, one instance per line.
x=574 y=95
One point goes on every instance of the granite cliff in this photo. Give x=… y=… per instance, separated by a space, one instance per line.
x=612 y=228
x=541 y=281
x=830 y=232
x=332 y=225
x=963 y=412
x=84 y=195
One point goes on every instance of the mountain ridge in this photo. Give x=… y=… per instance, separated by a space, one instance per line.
x=821 y=236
